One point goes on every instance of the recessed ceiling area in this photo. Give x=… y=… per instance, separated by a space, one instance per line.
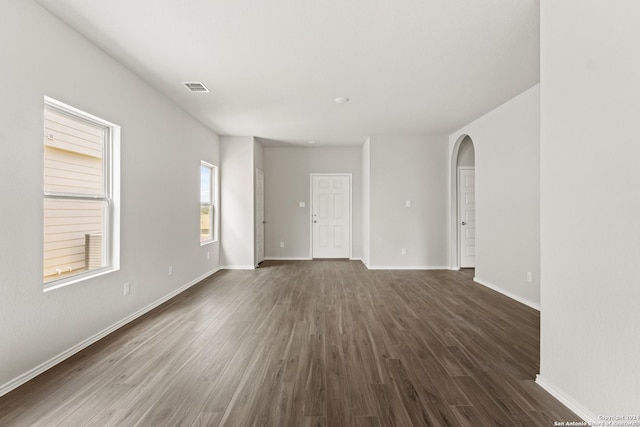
x=274 y=68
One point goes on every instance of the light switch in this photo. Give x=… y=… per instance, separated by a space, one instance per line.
x=408 y=203
x=301 y=204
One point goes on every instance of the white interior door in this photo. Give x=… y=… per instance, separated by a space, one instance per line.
x=331 y=216
x=259 y=216
x=467 y=216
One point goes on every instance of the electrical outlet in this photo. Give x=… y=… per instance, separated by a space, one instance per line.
x=170 y=270
x=127 y=288
x=282 y=244
x=404 y=251
x=529 y=277
x=408 y=203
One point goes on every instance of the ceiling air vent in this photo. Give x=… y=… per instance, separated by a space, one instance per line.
x=196 y=86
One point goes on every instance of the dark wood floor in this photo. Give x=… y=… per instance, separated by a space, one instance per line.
x=317 y=343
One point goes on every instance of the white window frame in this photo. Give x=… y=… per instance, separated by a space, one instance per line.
x=213 y=203
x=111 y=195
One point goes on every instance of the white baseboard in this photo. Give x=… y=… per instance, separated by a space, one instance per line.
x=410 y=267
x=567 y=401
x=524 y=301
x=237 y=267
x=277 y=258
x=17 y=382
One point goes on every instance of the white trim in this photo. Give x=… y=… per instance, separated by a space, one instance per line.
x=454 y=253
x=567 y=401
x=237 y=267
x=402 y=267
x=81 y=277
x=458 y=207
x=78 y=112
x=453 y=204
x=284 y=258
x=350 y=175
x=115 y=197
x=29 y=375
x=521 y=300
x=258 y=172
x=212 y=202
x=216 y=209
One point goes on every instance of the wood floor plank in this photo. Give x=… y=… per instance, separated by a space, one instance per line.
x=306 y=343
x=207 y=419
x=487 y=407
x=420 y=413
x=337 y=410
x=391 y=412
x=315 y=422
x=366 y=422
x=265 y=408
x=315 y=402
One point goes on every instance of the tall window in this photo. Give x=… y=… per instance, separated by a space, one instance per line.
x=80 y=195
x=208 y=186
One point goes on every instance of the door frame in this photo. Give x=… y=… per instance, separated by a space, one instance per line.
x=256 y=258
x=454 y=239
x=311 y=175
x=458 y=208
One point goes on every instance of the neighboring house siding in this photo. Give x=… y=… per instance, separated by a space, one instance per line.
x=73 y=163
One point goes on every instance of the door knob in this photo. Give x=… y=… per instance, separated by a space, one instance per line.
x=464 y=223
x=314 y=221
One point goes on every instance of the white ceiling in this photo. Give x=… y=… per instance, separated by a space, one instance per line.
x=274 y=67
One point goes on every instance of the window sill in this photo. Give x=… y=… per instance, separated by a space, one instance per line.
x=208 y=242
x=61 y=283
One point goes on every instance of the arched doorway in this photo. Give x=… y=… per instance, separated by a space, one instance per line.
x=463 y=203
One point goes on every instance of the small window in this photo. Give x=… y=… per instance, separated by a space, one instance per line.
x=208 y=188
x=80 y=187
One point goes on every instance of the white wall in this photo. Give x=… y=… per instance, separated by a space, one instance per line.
x=506 y=142
x=237 y=206
x=408 y=168
x=590 y=325
x=161 y=152
x=287 y=183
